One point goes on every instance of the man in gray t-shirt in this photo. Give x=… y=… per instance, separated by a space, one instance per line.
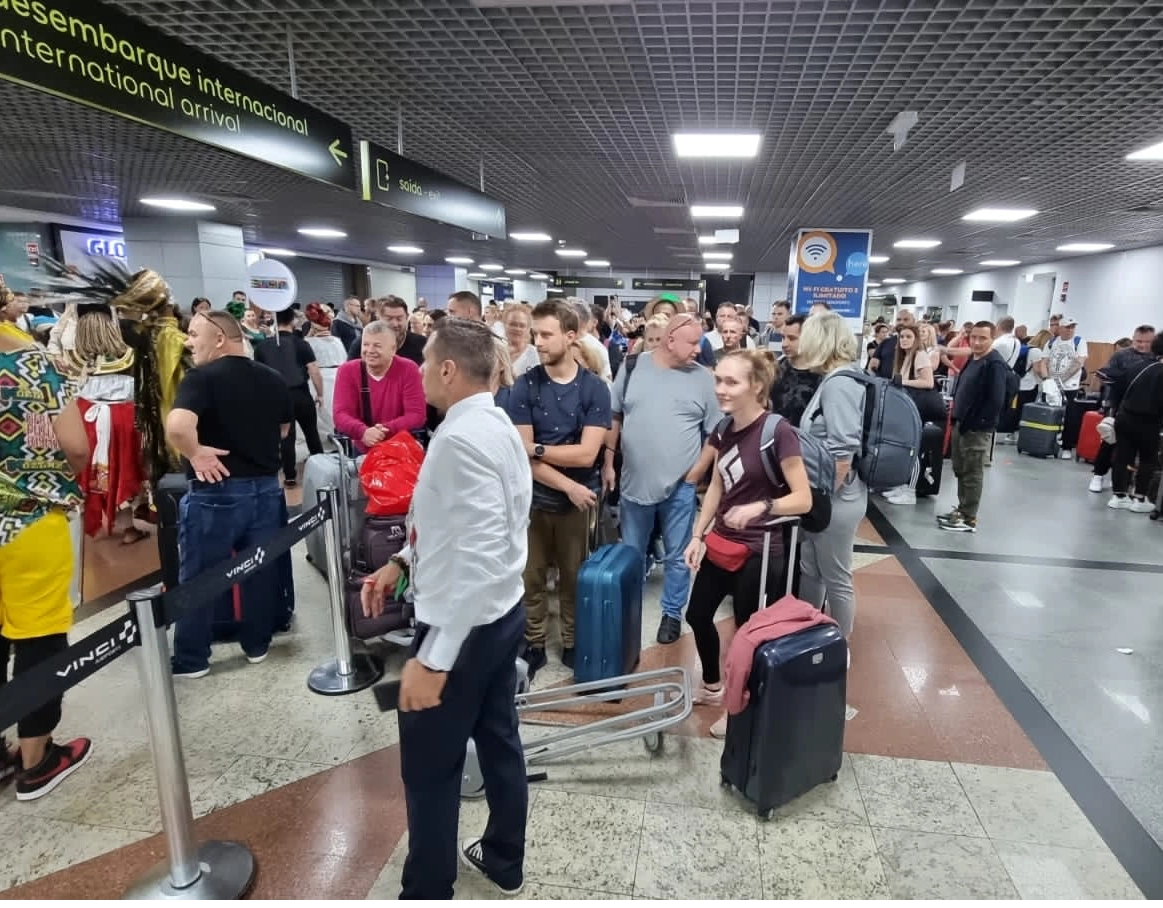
x=663 y=407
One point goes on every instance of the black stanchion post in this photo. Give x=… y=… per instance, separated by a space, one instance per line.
x=213 y=870
x=347 y=672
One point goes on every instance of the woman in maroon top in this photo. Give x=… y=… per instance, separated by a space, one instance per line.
x=727 y=546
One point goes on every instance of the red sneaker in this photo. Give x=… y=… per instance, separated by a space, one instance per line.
x=58 y=764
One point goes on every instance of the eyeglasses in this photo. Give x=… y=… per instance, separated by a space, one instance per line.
x=224 y=322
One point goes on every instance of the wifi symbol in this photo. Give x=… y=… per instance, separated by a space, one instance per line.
x=817 y=250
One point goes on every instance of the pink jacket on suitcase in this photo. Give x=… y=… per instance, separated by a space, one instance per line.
x=784 y=616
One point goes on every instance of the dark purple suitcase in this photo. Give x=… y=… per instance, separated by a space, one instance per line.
x=397 y=612
x=378 y=540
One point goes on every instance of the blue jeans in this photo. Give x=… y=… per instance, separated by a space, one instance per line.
x=677 y=515
x=217 y=520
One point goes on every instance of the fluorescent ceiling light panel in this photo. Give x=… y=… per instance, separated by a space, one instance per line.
x=1086 y=247
x=1000 y=215
x=285 y=253
x=597 y=263
x=999 y=263
x=878 y=259
x=1150 y=153
x=571 y=253
x=323 y=233
x=176 y=204
x=709 y=240
x=716 y=266
x=716 y=145
x=895 y=280
x=722 y=256
x=872 y=284
x=531 y=236
x=917 y=244
x=477 y=275
x=492 y=267
x=730 y=235
x=517 y=272
x=459 y=260
x=538 y=276
x=947 y=271
x=406 y=250
x=716 y=211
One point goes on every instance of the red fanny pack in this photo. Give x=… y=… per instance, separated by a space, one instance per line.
x=728 y=555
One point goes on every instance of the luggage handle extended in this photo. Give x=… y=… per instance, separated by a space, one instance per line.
x=794 y=521
x=343 y=448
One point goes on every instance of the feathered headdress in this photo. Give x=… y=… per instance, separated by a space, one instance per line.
x=138 y=300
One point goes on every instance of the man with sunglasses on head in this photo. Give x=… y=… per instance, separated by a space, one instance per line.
x=228 y=423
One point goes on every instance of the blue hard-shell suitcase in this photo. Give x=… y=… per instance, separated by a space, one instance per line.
x=608 y=622
x=790 y=737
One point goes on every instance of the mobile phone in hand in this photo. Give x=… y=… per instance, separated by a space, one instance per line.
x=387 y=696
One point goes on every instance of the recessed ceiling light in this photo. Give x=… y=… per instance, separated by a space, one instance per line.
x=708 y=240
x=1150 y=153
x=716 y=145
x=571 y=253
x=285 y=253
x=917 y=244
x=597 y=263
x=538 y=276
x=947 y=271
x=323 y=233
x=477 y=275
x=716 y=266
x=895 y=280
x=877 y=259
x=459 y=260
x=999 y=263
x=177 y=204
x=516 y=272
x=722 y=256
x=1000 y=215
x=533 y=236
x=492 y=267
x=406 y=250
x=1086 y=247
x=716 y=211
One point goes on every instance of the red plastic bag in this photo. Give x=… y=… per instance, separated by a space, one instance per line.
x=388 y=475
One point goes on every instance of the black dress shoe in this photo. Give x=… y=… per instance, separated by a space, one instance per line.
x=535 y=658
x=669 y=629
x=567 y=657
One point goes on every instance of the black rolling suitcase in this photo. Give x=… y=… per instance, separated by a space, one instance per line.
x=1039 y=428
x=932 y=459
x=790 y=737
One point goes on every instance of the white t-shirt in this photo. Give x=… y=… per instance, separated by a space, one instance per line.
x=526 y=361
x=1008 y=348
x=1030 y=380
x=716 y=340
x=598 y=347
x=1061 y=356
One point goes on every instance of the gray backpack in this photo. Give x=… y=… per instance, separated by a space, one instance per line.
x=891 y=445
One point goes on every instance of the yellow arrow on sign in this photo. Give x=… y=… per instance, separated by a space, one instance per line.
x=338 y=153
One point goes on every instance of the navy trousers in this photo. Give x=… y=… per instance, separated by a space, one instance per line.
x=478 y=703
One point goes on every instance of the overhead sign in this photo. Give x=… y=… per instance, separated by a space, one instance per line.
x=586 y=281
x=829 y=266
x=662 y=283
x=272 y=285
x=90 y=53
x=395 y=182
x=78 y=246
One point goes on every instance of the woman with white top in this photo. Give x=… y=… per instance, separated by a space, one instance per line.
x=518 y=324
x=835 y=415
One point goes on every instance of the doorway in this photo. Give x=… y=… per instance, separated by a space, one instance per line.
x=1032 y=301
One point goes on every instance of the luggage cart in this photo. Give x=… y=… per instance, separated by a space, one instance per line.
x=670 y=704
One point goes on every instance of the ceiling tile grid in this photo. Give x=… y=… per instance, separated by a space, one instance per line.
x=571 y=108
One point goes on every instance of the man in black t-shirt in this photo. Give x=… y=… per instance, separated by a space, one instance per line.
x=229 y=419
x=292 y=357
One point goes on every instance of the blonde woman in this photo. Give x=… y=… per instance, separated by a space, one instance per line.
x=835 y=415
x=518 y=324
x=503 y=377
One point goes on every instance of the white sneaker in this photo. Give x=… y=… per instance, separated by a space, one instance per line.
x=1095 y=484
x=908 y=496
x=1141 y=506
x=1067 y=455
x=1119 y=503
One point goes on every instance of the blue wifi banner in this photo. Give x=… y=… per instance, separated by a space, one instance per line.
x=830 y=266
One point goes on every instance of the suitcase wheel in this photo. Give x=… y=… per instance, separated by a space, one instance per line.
x=723 y=781
x=766 y=815
x=1154 y=515
x=653 y=742
x=835 y=776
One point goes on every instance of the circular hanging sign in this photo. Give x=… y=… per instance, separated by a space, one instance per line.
x=272 y=285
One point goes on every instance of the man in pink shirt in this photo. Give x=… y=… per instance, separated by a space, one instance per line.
x=380 y=393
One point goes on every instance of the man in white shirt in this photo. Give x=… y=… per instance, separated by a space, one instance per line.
x=1009 y=348
x=468 y=545
x=1066 y=358
x=726 y=312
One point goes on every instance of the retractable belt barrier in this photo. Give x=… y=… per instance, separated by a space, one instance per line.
x=83 y=659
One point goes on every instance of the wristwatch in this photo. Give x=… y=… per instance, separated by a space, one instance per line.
x=539 y=451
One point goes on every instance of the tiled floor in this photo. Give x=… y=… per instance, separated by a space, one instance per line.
x=941 y=793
